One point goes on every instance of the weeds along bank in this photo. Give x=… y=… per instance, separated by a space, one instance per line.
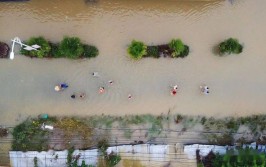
x=233 y=157
x=100 y=132
x=38 y=134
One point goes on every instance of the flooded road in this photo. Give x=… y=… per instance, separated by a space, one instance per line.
x=237 y=82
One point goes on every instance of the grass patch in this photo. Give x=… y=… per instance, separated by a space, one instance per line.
x=28 y=136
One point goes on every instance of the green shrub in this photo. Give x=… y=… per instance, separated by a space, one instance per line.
x=43 y=51
x=185 y=52
x=243 y=157
x=103 y=146
x=153 y=51
x=70 y=152
x=178 y=118
x=71 y=47
x=90 y=51
x=177 y=46
x=229 y=46
x=112 y=159
x=203 y=120
x=137 y=50
x=35 y=161
x=55 y=52
x=28 y=136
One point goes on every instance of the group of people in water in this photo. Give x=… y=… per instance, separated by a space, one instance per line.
x=203 y=88
x=63 y=86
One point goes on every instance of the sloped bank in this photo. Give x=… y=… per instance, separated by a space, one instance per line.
x=61 y=133
x=83 y=133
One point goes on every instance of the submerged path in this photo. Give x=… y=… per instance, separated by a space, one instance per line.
x=237 y=82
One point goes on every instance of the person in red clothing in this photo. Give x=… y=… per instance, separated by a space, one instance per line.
x=173 y=92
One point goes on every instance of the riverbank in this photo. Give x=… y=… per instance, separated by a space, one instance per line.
x=172 y=131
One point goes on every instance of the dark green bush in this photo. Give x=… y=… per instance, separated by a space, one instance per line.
x=103 y=146
x=229 y=46
x=178 y=118
x=28 y=136
x=35 y=161
x=70 y=152
x=71 y=47
x=137 y=50
x=153 y=51
x=90 y=51
x=185 y=52
x=112 y=159
x=43 y=51
x=240 y=158
x=55 y=52
x=177 y=46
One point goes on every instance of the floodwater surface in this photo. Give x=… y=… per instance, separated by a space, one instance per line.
x=237 y=82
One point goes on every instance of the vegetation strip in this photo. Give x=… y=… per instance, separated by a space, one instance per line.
x=84 y=133
x=176 y=48
x=247 y=157
x=69 y=47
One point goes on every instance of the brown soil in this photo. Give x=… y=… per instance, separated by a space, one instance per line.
x=3 y=132
x=4 y=50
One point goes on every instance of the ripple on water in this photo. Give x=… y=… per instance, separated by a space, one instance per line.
x=60 y=10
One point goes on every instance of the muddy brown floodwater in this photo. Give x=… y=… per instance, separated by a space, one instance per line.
x=237 y=82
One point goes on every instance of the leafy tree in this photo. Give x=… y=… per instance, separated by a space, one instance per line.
x=218 y=161
x=90 y=51
x=113 y=159
x=185 y=52
x=43 y=51
x=28 y=136
x=71 y=47
x=229 y=46
x=137 y=50
x=177 y=46
x=110 y=160
x=103 y=145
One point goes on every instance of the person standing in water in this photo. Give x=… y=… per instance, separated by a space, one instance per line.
x=95 y=74
x=174 y=90
x=111 y=82
x=61 y=87
x=81 y=96
x=205 y=89
x=101 y=90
